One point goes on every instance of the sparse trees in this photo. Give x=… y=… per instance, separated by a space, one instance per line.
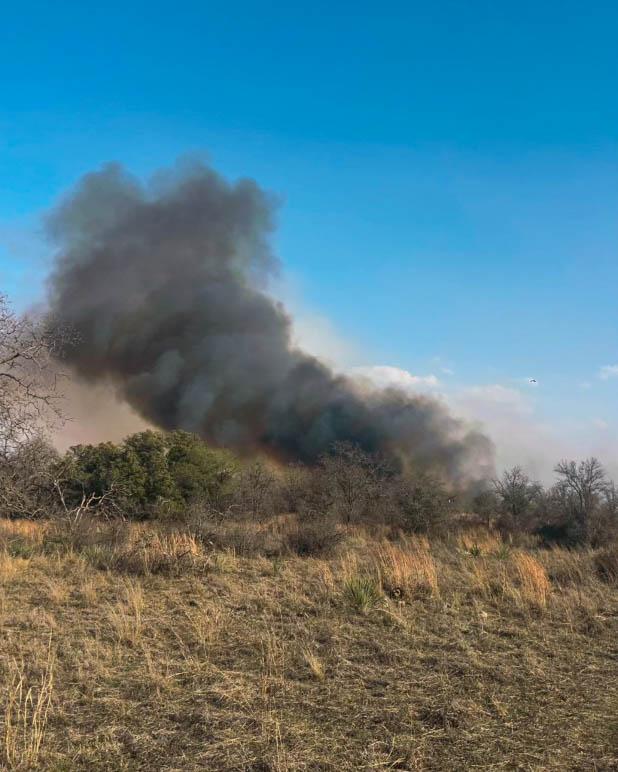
x=582 y=486
x=517 y=495
x=421 y=502
x=30 y=402
x=255 y=488
x=582 y=507
x=352 y=479
x=585 y=480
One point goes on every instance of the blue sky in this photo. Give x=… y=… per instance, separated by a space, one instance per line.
x=448 y=175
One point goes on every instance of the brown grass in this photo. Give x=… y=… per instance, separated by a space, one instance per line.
x=125 y=616
x=532 y=579
x=172 y=653
x=479 y=541
x=33 y=531
x=606 y=564
x=407 y=569
x=25 y=713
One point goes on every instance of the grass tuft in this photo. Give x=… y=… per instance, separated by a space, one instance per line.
x=407 y=570
x=125 y=617
x=26 y=714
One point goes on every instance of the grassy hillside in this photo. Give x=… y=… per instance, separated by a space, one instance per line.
x=135 y=648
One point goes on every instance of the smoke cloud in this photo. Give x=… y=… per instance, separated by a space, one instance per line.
x=166 y=285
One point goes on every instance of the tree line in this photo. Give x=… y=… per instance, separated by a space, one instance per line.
x=157 y=474
x=177 y=475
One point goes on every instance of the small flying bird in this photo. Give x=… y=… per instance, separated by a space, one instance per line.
x=531 y=380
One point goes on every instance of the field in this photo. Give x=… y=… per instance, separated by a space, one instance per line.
x=143 y=648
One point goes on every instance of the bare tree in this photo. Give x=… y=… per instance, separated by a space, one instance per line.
x=26 y=488
x=421 y=501
x=517 y=494
x=352 y=478
x=611 y=500
x=256 y=486
x=29 y=395
x=586 y=483
x=295 y=487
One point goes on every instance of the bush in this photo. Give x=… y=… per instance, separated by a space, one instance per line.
x=244 y=538
x=420 y=502
x=171 y=554
x=26 y=481
x=606 y=564
x=296 y=488
x=89 y=533
x=314 y=537
x=256 y=489
x=353 y=480
x=199 y=472
x=149 y=474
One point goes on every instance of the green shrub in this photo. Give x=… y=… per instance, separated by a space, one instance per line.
x=149 y=474
x=362 y=593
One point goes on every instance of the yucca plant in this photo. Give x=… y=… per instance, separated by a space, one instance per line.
x=362 y=593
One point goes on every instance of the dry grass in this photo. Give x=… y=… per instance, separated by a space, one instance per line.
x=315 y=665
x=173 y=653
x=407 y=569
x=606 y=564
x=479 y=541
x=532 y=578
x=25 y=714
x=126 y=615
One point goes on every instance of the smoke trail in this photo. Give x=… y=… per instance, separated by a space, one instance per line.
x=166 y=286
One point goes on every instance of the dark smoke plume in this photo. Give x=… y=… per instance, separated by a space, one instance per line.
x=166 y=287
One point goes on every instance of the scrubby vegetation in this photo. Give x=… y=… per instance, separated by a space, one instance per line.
x=178 y=476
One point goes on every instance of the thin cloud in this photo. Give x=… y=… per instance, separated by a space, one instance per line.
x=600 y=423
x=496 y=394
x=608 y=371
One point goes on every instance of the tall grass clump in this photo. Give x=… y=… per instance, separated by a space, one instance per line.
x=407 y=569
x=126 y=616
x=160 y=553
x=26 y=714
x=534 y=585
x=606 y=564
